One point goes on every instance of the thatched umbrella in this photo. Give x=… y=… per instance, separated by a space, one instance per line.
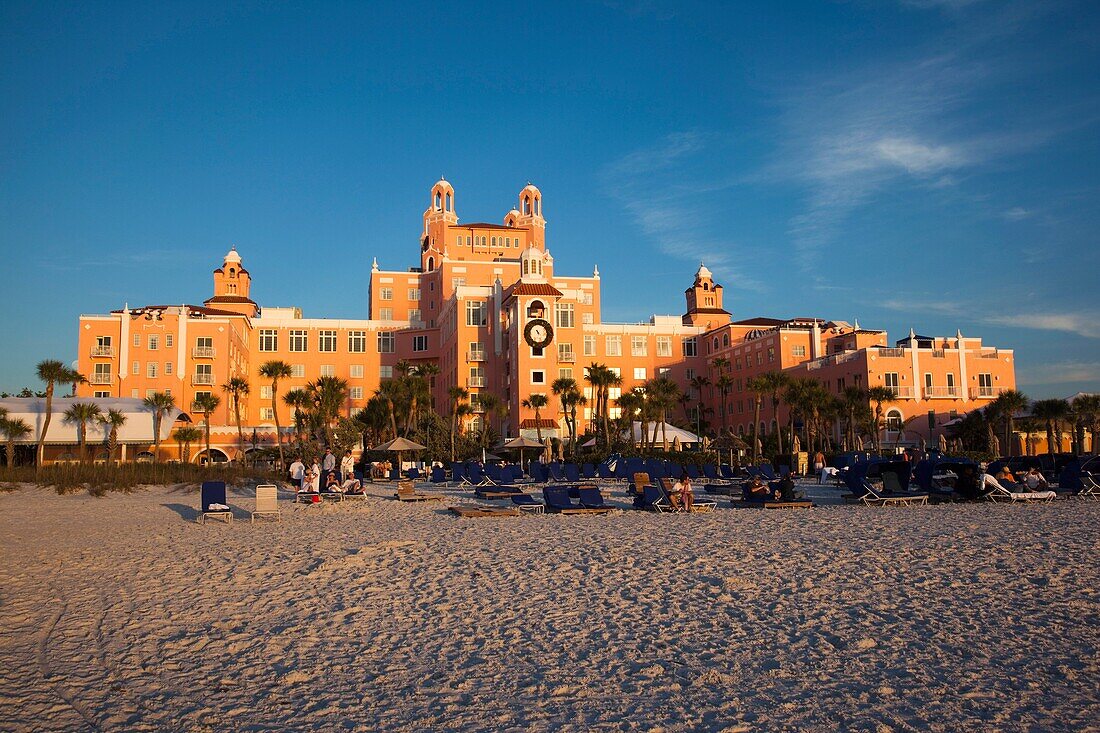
x=399 y=446
x=519 y=444
x=943 y=443
x=676 y=444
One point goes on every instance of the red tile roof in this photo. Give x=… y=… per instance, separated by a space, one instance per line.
x=523 y=288
x=532 y=423
x=482 y=225
x=229 y=299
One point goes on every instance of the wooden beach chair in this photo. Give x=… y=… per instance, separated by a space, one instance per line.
x=406 y=492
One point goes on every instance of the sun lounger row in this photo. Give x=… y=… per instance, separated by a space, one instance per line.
x=214 y=505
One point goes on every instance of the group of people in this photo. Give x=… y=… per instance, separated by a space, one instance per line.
x=309 y=479
x=757 y=489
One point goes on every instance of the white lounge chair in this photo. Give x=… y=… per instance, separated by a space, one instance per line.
x=1090 y=488
x=267 y=502
x=999 y=492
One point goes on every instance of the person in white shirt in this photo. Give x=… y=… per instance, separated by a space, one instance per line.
x=1035 y=481
x=347 y=466
x=297 y=470
x=328 y=463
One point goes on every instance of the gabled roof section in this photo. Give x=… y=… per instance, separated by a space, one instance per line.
x=523 y=288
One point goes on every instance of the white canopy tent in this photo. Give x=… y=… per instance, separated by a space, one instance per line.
x=673 y=432
x=137 y=430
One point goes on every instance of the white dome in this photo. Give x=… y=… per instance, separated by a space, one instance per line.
x=703 y=272
x=232 y=256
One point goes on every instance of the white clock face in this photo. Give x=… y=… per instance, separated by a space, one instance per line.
x=538 y=332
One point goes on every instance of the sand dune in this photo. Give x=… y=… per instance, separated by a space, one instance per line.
x=121 y=613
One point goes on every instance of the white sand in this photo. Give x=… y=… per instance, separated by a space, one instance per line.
x=120 y=614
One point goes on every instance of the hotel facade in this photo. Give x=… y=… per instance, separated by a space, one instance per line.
x=486 y=303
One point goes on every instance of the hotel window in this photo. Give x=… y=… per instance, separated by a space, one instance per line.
x=299 y=340
x=385 y=342
x=890 y=380
x=357 y=342
x=385 y=293
x=798 y=351
x=137 y=340
x=385 y=314
x=689 y=374
x=356 y=371
x=357 y=393
x=725 y=339
x=690 y=347
x=135 y=368
x=414 y=315
x=326 y=341
x=266 y=413
x=385 y=372
x=204 y=373
x=538 y=377
x=564 y=315
x=167 y=368
x=639 y=373
x=565 y=351
x=414 y=293
x=269 y=340
x=771 y=353
x=740 y=406
x=458 y=282
x=638 y=346
x=950 y=383
x=663 y=371
x=737 y=364
x=589 y=345
x=328 y=370
x=494 y=241
x=664 y=346
x=265 y=392
x=613 y=345
x=101 y=394
x=475 y=313
x=168 y=340
x=565 y=373
x=586 y=319
x=477 y=376
x=420 y=343
x=298 y=371
x=759 y=358
x=149 y=393
x=154 y=342
x=134 y=393
x=616 y=371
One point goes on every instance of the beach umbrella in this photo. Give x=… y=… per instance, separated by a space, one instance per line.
x=561 y=451
x=796 y=445
x=519 y=444
x=943 y=443
x=399 y=446
x=548 y=450
x=676 y=443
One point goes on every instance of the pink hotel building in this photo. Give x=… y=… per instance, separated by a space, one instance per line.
x=486 y=304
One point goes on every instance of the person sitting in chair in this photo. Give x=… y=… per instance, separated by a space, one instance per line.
x=757 y=490
x=672 y=490
x=352 y=485
x=787 y=491
x=1005 y=476
x=332 y=484
x=1035 y=480
x=310 y=482
x=682 y=489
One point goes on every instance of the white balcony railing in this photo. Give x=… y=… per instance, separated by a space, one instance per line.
x=104 y=351
x=903 y=393
x=567 y=357
x=476 y=407
x=202 y=379
x=894 y=353
x=100 y=379
x=985 y=393
x=475 y=382
x=202 y=352
x=475 y=356
x=940 y=393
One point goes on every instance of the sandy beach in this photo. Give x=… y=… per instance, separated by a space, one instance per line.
x=122 y=613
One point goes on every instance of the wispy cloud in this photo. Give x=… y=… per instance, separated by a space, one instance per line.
x=1080 y=323
x=1063 y=372
x=646 y=183
x=1016 y=213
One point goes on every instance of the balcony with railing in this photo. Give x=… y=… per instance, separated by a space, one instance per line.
x=902 y=393
x=201 y=378
x=567 y=357
x=475 y=356
x=99 y=378
x=941 y=393
x=202 y=352
x=476 y=407
x=985 y=393
x=106 y=352
x=886 y=352
x=475 y=382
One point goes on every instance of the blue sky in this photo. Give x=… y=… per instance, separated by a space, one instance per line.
x=914 y=163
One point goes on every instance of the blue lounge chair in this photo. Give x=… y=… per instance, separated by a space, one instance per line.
x=572 y=473
x=527 y=503
x=557 y=501
x=213 y=492
x=692 y=471
x=858 y=478
x=653 y=498
x=727 y=472
x=589 y=471
x=476 y=476
x=557 y=473
x=768 y=472
x=591 y=498
x=493 y=471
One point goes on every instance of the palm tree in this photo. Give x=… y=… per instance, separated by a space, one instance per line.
x=13 y=429
x=390 y=391
x=1051 y=412
x=458 y=396
x=206 y=404
x=602 y=379
x=854 y=400
x=570 y=395
x=185 y=435
x=52 y=372
x=663 y=393
x=329 y=394
x=776 y=382
x=880 y=396
x=759 y=387
x=80 y=414
x=1007 y=404
x=112 y=421
x=536 y=402
x=724 y=384
x=426 y=370
x=300 y=401
x=1087 y=406
x=490 y=404
x=698 y=383
x=235 y=388
x=630 y=404
x=276 y=370
x=158 y=403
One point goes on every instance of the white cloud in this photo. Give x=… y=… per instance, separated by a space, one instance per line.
x=1016 y=213
x=1082 y=324
x=917 y=157
x=1064 y=372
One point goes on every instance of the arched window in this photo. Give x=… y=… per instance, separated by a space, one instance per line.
x=740 y=429
x=525 y=263
x=725 y=339
x=431 y=264
x=526 y=205
x=893 y=420
x=538 y=204
x=706 y=286
x=438 y=202
x=450 y=202
x=716 y=343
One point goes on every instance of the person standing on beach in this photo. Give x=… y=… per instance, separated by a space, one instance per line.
x=347 y=466
x=297 y=470
x=328 y=463
x=819 y=466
